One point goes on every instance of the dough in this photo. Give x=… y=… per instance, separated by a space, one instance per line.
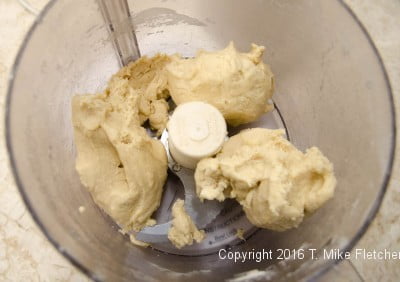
x=137 y=242
x=147 y=79
x=276 y=184
x=122 y=167
x=183 y=231
x=240 y=234
x=237 y=84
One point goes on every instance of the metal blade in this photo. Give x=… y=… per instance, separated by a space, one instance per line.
x=202 y=213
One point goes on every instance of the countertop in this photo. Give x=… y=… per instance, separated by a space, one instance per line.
x=26 y=255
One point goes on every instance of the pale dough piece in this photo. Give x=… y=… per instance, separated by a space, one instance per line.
x=276 y=184
x=238 y=84
x=137 y=242
x=183 y=231
x=147 y=78
x=123 y=168
x=240 y=234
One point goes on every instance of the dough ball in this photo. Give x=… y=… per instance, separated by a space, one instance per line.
x=238 y=84
x=121 y=165
x=276 y=184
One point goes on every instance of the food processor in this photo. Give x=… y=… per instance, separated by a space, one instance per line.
x=332 y=92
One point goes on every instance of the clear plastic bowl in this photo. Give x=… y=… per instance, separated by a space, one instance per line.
x=331 y=88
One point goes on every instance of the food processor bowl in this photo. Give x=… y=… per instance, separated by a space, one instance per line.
x=332 y=91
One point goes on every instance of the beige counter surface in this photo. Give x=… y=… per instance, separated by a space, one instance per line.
x=26 y=255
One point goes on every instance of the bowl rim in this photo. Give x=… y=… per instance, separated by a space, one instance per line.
x=321 y=269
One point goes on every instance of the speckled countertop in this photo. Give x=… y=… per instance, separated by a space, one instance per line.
x=26 y=255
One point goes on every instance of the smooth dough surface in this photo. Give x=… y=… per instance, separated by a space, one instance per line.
x=238 y=84
x=276 y=184
x=123 y=168
x=183 y=231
